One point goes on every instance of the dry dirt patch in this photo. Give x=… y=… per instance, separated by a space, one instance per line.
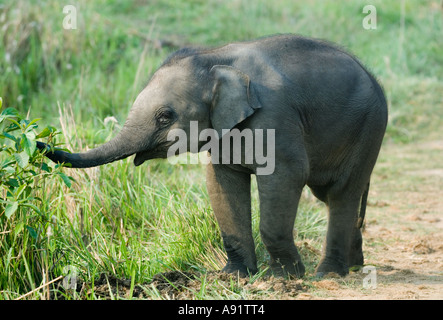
x=404 y=228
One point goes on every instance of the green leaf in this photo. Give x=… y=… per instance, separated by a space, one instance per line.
x=9 y=113
x=31 y=125
x=33 y=207
x=65 y=179
x=11 y=209
x=13 y=126
x=46 y=132
x=32 y=232
x=46 y=168
x=28 y=143
x=19 y=227
x=7 y=135
x=9 y=169
x=13 y=183
x=19 y=190
x=22 y=159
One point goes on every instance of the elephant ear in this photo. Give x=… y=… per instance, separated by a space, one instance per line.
x=233 y=98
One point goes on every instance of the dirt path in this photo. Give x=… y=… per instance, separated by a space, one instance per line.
x=404 y=229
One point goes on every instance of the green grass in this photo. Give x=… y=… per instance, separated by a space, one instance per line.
x=136 y=222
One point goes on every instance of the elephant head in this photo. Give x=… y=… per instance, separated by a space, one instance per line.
x=187 y=87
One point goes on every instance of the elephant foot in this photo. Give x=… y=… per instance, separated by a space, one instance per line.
x=355 y=258
x=330 y=266
x=239 y=269
x=287 y=270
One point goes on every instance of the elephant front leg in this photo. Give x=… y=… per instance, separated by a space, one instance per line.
x=230 y=195
x=279 y=198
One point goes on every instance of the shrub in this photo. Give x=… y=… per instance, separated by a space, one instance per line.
x=25 y=218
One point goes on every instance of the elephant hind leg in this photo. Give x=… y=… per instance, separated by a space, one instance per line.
x=343 y=246
x=355 y=256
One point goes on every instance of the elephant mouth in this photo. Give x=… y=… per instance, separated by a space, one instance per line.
x=140 y=157
x=157 y=153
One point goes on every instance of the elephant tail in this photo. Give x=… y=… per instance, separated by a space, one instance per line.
x=364 y=200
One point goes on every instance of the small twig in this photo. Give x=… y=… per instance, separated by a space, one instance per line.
x=42 y=286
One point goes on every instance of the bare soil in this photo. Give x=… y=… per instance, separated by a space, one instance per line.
x=403 y=240
x=403 y=236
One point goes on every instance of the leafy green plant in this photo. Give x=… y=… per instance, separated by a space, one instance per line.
x=20 y=159
x=24 y=214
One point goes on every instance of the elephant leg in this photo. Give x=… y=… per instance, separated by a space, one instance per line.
x=343 y=238
x=230 y=195
x=355 y=255
x=279 y=198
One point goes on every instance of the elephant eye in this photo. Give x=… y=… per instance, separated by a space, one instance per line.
x=165 y=117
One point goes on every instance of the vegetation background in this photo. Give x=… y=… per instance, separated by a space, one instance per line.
x=118 y=225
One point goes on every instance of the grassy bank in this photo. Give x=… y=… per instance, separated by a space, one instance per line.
x=133 y=223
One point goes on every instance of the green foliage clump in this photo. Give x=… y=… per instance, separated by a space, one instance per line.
x=25 y=217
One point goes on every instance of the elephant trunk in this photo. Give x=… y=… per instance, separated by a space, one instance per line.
x=115 y=149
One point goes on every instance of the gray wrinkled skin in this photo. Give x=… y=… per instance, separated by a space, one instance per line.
x=329 y=116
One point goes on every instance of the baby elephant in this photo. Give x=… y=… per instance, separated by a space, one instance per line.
x=313 y=109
